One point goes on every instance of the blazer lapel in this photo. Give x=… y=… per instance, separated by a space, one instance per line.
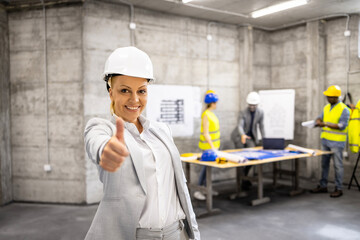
x=136 y=158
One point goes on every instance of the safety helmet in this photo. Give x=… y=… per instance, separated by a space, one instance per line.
x=211 y=97
x=208 y=155
x=129 y=61
x=333 y=91
x=253 y=98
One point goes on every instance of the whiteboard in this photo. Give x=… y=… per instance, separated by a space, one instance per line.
x=279 y=108
x=175 y=105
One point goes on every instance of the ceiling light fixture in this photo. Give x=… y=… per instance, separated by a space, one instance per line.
x=278 y=7
x=186 y=1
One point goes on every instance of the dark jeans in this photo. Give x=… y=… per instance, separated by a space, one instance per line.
x=202 y=177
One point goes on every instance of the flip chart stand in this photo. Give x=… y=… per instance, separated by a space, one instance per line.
x=353 y=175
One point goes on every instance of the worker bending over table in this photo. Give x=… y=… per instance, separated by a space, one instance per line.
x=245 y=134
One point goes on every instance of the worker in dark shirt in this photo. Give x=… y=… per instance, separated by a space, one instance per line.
x=245 y=134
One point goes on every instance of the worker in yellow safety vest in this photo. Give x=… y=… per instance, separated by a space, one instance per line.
x=209 y=134
x=334 y=121
x=354 y=128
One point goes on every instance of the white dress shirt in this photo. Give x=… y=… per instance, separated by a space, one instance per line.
x=162 y=206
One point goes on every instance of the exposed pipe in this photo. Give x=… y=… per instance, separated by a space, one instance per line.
x=300 y=22
x=208 y=39
x=354 y=72
x=46 y=85
x=216 y=10
x=248 y=16
x=348 y=51
x=208 y=9
x=132 y=25
x=33 y=5
x=347 y=54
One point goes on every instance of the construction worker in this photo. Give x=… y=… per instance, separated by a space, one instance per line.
x=209 y=135
x=245 y=134
x=334 y=121
x=354 y=128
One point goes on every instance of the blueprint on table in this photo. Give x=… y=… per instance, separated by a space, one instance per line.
x=264 y=154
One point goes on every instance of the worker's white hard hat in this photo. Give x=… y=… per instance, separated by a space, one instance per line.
x=129 y=61
x=253 y=98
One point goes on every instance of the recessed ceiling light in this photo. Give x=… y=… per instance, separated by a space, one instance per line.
x=186 y=1
x=278 y=7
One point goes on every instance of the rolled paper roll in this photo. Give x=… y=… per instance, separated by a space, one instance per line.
x=309 y=124
x=188 y=156
x=231 y=157
x=302 y=149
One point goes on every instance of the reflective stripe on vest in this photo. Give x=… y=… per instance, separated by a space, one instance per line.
x=333 y=116
x=214 y=131
x=354 y=129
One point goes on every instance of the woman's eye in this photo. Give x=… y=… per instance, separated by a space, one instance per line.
x=124 y=90
x=142 y=91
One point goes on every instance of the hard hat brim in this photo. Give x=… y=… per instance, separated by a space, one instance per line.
x=149 y=79
x=326 y=93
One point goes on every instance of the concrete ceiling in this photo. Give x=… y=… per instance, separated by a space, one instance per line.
x=238 y=11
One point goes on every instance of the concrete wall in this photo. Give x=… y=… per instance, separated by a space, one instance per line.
x=180 y=59
x=262 y=61
x=66 y=182
x=80 y=38
x=5 y=148
x=288 y=69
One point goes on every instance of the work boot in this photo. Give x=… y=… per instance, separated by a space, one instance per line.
x=319 y=189
x=199 y=196
x=336 y=193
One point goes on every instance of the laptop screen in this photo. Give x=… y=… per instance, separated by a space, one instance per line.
x=274 y=143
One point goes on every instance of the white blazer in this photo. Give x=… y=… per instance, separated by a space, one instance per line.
x=118 y=214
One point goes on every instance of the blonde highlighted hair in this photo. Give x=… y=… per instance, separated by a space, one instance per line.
x=112 y=104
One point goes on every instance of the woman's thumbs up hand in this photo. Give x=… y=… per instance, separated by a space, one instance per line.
x=115 y=150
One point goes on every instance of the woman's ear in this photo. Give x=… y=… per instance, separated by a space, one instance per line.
x=110 y=94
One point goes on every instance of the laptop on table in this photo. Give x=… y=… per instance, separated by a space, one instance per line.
x=273 y=143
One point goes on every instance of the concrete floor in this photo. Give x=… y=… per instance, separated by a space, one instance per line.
x=308 y=216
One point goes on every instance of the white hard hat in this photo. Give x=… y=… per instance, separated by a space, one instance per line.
x=129 y=61
x=253 y=98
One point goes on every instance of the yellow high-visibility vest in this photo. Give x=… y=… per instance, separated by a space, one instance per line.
x=354 y=129
x=333 y=116
x=214 y=131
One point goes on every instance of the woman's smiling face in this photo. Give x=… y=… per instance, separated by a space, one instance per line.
x=129 y=95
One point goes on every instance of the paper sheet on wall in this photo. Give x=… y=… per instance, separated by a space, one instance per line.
x=278 y=106
x=174 y=105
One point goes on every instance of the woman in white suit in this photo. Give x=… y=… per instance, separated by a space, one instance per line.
x=145 y=192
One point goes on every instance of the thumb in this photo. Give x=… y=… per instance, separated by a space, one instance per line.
x=120 y=129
